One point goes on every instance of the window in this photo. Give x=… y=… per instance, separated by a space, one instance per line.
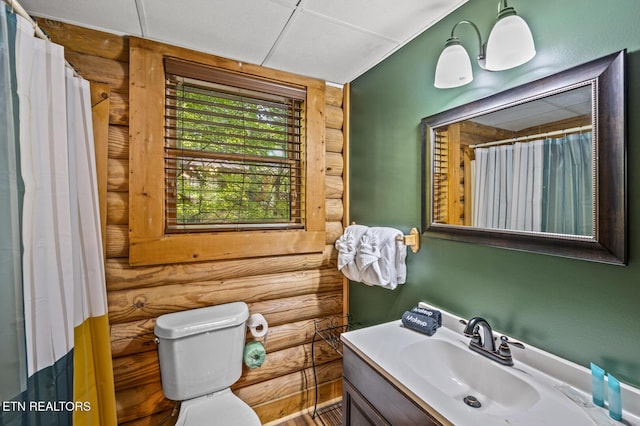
x=233 y=152
x=226 y=159
x=440 y=164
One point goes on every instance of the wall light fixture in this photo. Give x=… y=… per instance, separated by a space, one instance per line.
x=510 y=44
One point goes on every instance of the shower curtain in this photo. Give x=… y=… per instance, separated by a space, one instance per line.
x=542 y=185
x=55 y=331
x=567 y=207
x=508 y=187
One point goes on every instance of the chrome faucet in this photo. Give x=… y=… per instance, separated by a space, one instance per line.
x=485 y=344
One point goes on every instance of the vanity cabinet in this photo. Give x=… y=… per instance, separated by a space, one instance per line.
x=368 y=398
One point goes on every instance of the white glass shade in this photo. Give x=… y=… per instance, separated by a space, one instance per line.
x=510 y=44
x=453 y=68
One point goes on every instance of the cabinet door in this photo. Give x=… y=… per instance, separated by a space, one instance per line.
x=378 y=397
x=356 y=411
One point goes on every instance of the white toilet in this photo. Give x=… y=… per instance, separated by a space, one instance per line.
x=200 y=354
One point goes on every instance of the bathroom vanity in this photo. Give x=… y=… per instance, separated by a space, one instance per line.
x=396 y=376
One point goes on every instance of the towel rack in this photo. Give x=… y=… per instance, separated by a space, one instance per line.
x=412 y=240
x=329 y=329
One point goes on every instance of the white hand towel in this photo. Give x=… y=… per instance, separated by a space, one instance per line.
x=347 y=246
x=368 y=250
x=382 y=258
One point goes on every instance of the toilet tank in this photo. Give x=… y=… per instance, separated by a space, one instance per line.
x=201 y=350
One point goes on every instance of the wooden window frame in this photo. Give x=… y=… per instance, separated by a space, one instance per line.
x=149 y=244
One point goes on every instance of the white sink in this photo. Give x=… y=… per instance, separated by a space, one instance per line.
x=460 y=373
x=439 y=371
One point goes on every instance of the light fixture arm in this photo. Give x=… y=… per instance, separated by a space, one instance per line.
x=481 y=46
x=504 y=10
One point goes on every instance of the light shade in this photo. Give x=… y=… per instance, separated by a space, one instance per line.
x=454 y=66
x=510 y=42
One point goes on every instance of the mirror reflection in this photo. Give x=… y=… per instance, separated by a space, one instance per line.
x=529 y=167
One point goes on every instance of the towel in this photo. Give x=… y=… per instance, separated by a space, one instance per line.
x=380 y=258
x=419 y=322
x=368 y=250
x=347 y=246
x=433 y=313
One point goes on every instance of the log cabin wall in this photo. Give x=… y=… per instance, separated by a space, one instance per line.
x=290 y=291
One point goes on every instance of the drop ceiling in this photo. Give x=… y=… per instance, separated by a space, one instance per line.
x=561 y=106
x=333 y=40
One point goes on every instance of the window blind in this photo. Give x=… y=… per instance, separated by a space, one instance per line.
x=440 y=176
x=234 y=151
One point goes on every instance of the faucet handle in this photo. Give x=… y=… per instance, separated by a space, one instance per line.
x=504 y=349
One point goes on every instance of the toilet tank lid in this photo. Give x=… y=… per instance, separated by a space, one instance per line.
x=200 y=320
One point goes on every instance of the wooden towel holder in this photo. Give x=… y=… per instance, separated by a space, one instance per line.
x=412 y=240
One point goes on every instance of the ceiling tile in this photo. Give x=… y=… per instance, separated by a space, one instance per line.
x=325 y=49
x=398 y=20
x=244 y=30
x=115 y=16
x=290 y=3
x=539 y=112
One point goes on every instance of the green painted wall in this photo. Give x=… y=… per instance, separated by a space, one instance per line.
x=578 y=310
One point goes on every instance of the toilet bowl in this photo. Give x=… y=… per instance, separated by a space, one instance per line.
x=200 y=353
x=221 y=408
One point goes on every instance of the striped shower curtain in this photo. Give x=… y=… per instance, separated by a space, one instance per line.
x=56 y=366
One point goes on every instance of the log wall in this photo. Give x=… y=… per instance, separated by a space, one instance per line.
x=290 y=291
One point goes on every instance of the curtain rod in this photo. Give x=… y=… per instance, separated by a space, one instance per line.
x=17 y=8
x=538 y=136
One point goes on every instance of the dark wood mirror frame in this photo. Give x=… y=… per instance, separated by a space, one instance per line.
x=610 y=242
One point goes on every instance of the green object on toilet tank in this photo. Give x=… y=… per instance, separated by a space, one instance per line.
x=254 y=354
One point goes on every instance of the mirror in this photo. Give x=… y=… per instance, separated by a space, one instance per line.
x=540 y=167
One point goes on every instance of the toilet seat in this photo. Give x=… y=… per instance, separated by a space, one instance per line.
x=221 y=408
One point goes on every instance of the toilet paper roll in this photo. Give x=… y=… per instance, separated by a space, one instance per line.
x=257 y=325
x=254 y=354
